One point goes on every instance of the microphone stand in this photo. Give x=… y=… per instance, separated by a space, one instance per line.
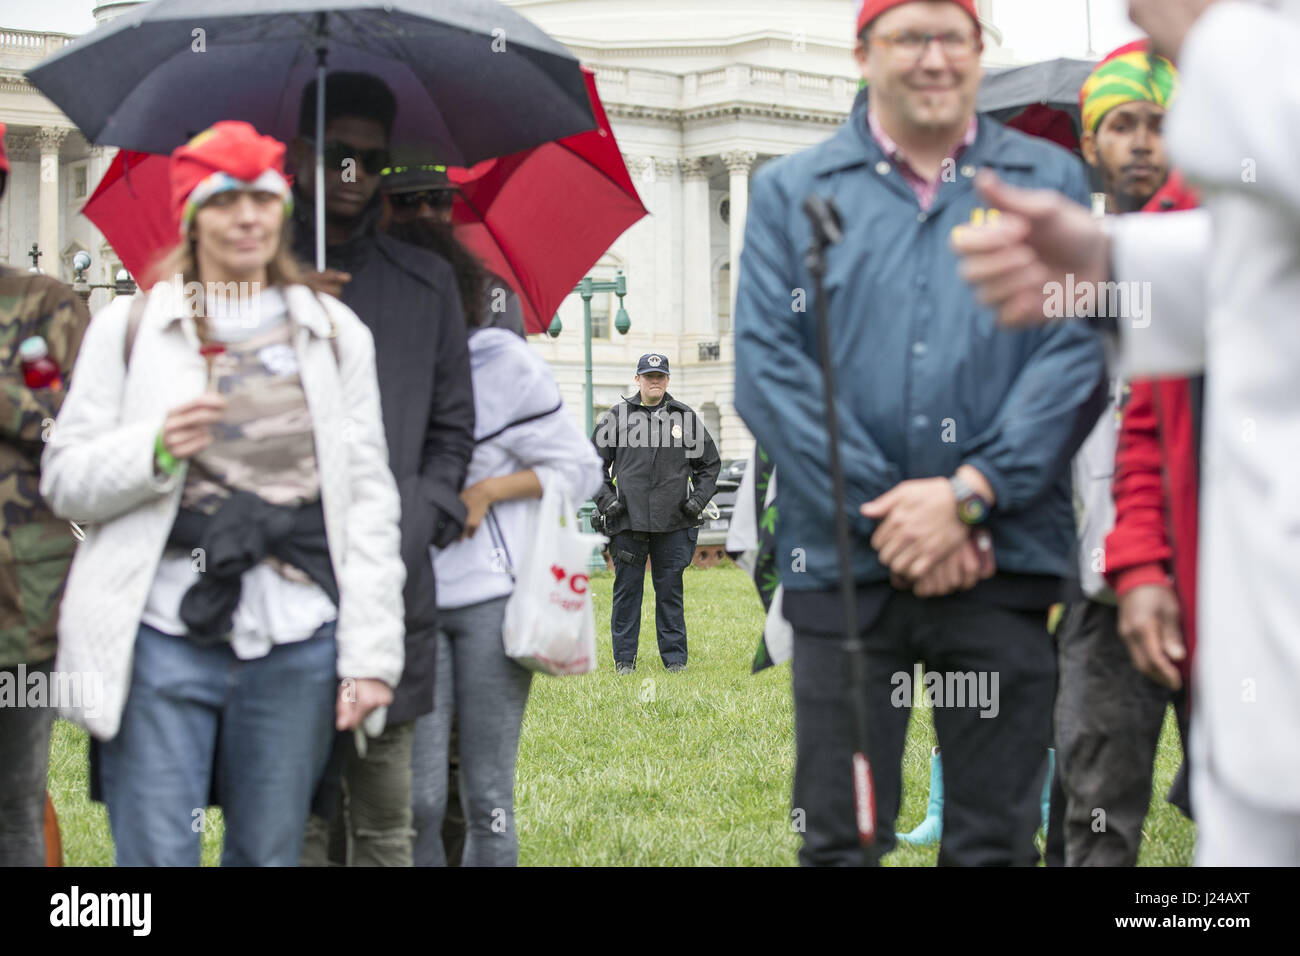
x=827 y=231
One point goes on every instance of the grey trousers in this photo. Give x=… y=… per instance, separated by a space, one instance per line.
x=24 y=763
x=488 y=692
x=374 y=824
x=1108 y=720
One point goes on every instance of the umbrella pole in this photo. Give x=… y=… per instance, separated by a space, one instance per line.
x=825 y=219
x=321 y=53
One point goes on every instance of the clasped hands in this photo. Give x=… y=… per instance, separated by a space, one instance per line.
x=926 y=547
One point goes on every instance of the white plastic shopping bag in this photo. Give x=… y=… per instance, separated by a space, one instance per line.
x=549 y=622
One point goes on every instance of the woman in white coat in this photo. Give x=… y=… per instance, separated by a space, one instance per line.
x=238 y=594
x=525 y=440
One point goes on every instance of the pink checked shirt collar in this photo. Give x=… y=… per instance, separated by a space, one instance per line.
x=926 y=190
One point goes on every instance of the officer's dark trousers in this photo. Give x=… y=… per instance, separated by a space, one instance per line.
x=994 y=737
x=670 y=553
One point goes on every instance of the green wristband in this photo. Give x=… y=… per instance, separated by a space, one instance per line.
x=165 y=460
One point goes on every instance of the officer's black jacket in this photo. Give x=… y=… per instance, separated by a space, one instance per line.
x=654 y=459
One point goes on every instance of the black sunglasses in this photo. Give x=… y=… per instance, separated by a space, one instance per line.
x=373 y=161
x=436 y=198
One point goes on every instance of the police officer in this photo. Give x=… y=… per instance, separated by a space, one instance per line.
x=661 y=470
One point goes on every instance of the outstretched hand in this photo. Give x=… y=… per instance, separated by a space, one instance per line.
x=1039 y=237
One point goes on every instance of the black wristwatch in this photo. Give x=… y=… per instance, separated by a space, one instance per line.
x=972 y=507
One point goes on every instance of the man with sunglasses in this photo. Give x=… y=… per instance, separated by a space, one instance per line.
x=420 y=199
x=950 y=430
x=408 y=299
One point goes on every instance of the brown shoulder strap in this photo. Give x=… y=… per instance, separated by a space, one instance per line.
x=133 y=318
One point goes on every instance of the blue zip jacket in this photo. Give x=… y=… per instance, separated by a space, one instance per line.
x=925 y=378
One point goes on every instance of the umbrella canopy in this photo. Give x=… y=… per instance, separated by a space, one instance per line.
x=1050 y=85
x=541 y=218
x=131 y=207
x=472 y=78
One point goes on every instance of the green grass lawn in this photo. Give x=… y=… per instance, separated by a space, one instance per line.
x=653 y=769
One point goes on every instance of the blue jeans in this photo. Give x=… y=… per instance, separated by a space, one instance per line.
x=266 y=725
x=488 y=692
x=670 y=553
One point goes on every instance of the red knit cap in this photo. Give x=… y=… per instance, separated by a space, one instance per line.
x=868 y=10
x=4 y=160
x=230 y=154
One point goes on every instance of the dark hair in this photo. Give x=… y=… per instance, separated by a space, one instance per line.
x=348 y=94
x=438 y=238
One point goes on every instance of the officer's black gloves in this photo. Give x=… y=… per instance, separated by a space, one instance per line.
x=691 y=507
x=615 y=510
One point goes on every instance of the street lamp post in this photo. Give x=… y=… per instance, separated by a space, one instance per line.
x=122 y=284
x=587 y=288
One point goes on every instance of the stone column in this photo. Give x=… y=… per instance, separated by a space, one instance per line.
x=697 y=219
x=739 y=164
x=49 y=139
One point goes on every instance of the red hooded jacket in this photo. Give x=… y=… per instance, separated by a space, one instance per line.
x=1157 y=481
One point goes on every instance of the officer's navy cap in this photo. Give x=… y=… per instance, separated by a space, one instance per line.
x=652 y=362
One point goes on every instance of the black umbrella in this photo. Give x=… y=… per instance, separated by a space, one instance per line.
x=472 y=78
x=1007 y=91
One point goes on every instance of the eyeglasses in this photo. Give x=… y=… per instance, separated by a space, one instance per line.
x=228 y=197
x=436 y=198
x=910 y=46
x=373 y=161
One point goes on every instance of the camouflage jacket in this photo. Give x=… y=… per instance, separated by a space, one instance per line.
x=35 y=547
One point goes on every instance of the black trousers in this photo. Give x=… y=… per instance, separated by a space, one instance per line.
x=991 y=676
x=670 y=553
x=1108 y=722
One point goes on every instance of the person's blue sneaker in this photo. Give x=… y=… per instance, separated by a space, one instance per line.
x=929 y=830
x=676 y=668
x=623 y=668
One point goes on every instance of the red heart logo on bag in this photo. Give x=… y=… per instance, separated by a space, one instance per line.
x=559 y=572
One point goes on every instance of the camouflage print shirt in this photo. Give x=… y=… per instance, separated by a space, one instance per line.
x=35 y=547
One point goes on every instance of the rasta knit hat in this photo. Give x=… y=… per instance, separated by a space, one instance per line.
x=1129 y=73
x=230 y=154
x=868 y=10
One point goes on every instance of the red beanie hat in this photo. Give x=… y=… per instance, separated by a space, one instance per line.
x=868 y=10
x=4 y=160
x=230 y=154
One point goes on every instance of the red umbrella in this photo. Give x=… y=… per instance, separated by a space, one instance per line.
x=541 y=218
x=131 y=207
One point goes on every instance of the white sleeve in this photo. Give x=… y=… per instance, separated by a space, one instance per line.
x=1236 y=123
x=371 y=621
x=95 y=467
x=1167 y=254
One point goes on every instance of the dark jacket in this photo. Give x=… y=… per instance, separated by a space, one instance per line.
x=654 y=459
x=925 y=378
x=407 y=298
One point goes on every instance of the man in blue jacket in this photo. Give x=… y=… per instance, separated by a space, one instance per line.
x=948 y=426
